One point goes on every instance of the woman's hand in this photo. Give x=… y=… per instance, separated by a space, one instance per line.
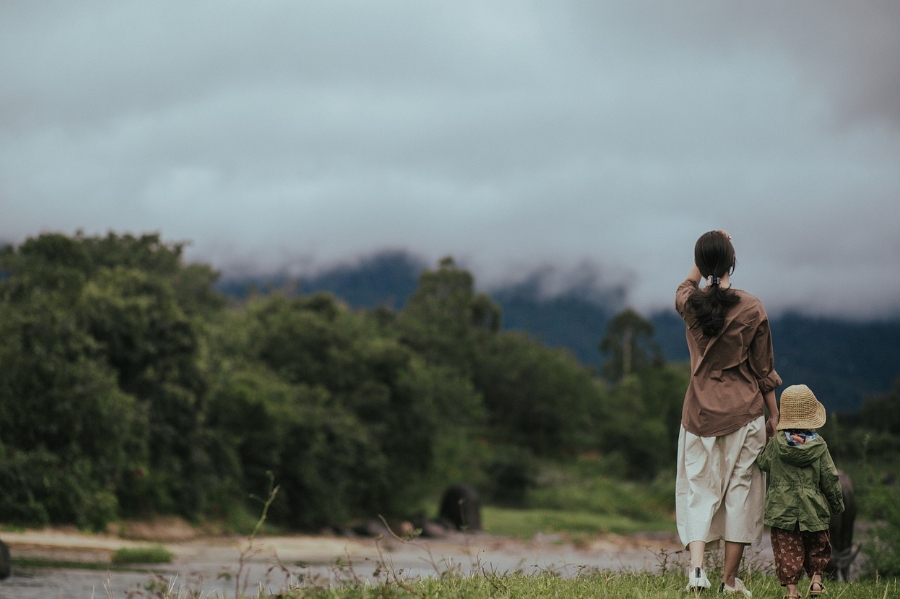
x=695 y=275
x=771 y=427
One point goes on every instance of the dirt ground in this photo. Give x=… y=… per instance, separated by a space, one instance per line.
x=211 y=562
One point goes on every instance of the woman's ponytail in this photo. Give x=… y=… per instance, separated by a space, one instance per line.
x=710 y=308
x=714 y=256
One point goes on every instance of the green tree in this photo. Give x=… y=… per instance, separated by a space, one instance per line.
x=445 y=318
x=881 y=412
x=642 y=422
x=643 y=418
x=327 y=464
x=60 y=265
x=136 y=312
x=630 y=346
x=537 y=397
x=71 y=439
x=154 y=347
x=339 y=384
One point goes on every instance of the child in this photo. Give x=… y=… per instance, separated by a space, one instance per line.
x=802 y=486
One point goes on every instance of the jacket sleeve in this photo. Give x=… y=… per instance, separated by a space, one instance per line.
x=764 y=459
x=762 y=357
x=830 y=484
x=682 y=294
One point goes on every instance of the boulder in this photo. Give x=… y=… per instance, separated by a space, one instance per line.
x=4 y=561
x=461 y=508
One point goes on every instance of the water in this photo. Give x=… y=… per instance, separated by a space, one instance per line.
x=70 y=584
x=210 y=566
x=62 y=583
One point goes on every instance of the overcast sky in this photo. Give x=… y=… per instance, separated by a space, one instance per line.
x=599 y=139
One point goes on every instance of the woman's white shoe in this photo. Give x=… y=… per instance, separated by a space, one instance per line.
x=737 y=589
x=697 y=580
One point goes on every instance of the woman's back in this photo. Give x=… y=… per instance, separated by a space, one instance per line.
x=729 y=369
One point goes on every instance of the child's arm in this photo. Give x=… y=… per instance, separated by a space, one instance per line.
x=764 y=460
x=830 y=485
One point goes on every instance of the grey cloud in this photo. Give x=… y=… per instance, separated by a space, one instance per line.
x=286 y=135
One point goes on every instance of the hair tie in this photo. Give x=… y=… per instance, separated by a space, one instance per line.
x=714 y=281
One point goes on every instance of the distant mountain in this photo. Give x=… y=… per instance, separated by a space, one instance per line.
x=385 y=279
x=842 y=362
x=574 y=320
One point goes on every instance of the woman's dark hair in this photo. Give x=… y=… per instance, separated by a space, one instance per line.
x=714 y=256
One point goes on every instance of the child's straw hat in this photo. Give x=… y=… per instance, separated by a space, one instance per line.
x=800 y=409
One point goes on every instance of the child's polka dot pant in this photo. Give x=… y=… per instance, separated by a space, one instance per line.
x=797 y=550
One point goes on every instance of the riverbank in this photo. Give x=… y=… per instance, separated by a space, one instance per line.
x=66 y=563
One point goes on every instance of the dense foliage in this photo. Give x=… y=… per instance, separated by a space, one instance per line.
x=101 y=389
x=129 y=387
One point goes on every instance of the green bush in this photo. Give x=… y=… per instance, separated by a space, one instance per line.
x=100 y=352
x=155 y=554
x=584 y=485
x=882 y=547
x=511 y=473
x=351 y=422
x=537 y=397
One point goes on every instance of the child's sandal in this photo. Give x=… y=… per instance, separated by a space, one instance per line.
x=815 y=593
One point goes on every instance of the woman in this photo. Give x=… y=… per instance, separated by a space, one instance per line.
x=719 y=490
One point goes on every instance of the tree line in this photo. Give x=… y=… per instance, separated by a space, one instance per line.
x=130 y=387
x=844 y=361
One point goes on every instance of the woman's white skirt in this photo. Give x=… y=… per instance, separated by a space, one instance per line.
x=719 y=489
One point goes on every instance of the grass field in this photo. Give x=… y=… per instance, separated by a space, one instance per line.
x=587 y=585
x=582 y=498
x=525 y=523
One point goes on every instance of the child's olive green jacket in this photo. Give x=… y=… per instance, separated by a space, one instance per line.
x=802 y=484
